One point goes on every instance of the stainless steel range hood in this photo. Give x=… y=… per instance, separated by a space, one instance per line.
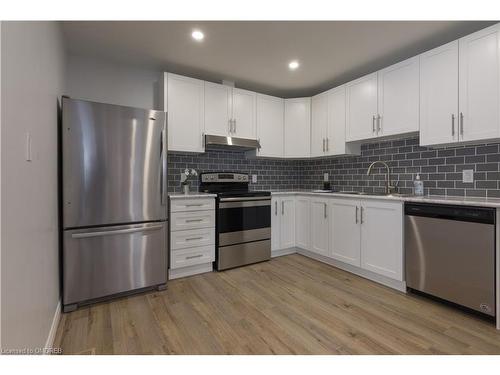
x=219 y=142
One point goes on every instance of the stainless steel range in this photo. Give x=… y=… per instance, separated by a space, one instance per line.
x=243 y=219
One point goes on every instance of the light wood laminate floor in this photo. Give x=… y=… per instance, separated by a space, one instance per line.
x=289 y=305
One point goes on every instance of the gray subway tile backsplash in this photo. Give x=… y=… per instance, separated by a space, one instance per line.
x=440 y=169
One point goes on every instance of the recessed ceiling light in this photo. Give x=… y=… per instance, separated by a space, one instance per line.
x=293 y=65
x=197 y=35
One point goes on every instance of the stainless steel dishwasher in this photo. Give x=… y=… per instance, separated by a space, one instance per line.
x=450 y=253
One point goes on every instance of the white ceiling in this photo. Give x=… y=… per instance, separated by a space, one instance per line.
x=255 y=54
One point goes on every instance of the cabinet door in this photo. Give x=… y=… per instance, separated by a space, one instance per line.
x=217 y=108
x=275 y=224
x=335 y=135
x=297 y=127
x=270 y=121
x=361 y=108
x=244 y=113
x=319 y=226
x=302 y=222
x=398 y=98
x=479 y=83
x=287 y=222
x=345 y=237
x=319 y=123
x=185 y=103
x=439 y=95
x=382 y=238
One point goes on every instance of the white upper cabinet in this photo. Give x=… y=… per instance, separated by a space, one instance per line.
x=319 y=124
x=479 y=85
x=297 y=128
x=398 y=98
x=244 y=113
x=382 y=238
x=439 y=95
x=270 y=125
x=361 y=108
x=185 y=105
x=218 y=109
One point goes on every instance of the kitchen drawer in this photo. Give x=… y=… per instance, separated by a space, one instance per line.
x=182 y=205
x=192 y=220
x=192 y=256
x=191 y=238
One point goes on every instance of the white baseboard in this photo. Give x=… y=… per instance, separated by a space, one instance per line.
x=49 y=344
x=391 y=283
x=190 y=271
x=281 y=252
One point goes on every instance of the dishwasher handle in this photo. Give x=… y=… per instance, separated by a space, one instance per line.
x=484 y=215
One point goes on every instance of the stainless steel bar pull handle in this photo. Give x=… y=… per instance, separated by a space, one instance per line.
x=327 y=146
x=356 y=215
x=379 y=121
x=194 y=205
x=163 y=172
x=194 y=238
x=194 y=256
x=453 y=124
x=373 y=124
x=282 y=207
x=193 y=220
x=361 y=216
x=323 y=144
x=229 y=126
x=276 y=208
x=462 y=124
x=324 y=210
x=114 y=232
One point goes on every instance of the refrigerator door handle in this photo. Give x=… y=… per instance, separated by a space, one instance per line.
x=117 y=231
x=163 y=175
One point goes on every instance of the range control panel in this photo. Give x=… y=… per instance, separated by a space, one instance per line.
x=224 y=177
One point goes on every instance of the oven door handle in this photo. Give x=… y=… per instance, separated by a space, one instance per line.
x=263 y=198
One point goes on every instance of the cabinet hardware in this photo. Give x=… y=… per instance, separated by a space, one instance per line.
x=323 y=144
x=276 y=208
x=379 y=128
x=324 y=210
x=462 y=124
x=373 y=124
x=327 y=146
x=194 y=205
x=194 y=256
x=282 y=208
x=229 y=126
x=361 y=215
x=193 y=220
x=356 y=215
x=194 y=238
x=452 y=124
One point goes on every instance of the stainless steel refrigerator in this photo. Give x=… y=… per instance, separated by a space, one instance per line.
x=114 y=203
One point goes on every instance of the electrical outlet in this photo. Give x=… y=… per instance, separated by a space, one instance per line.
x=468 y=175
x=325 y=176
x=254 y=179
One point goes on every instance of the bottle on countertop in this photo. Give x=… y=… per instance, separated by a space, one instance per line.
x=418 y=185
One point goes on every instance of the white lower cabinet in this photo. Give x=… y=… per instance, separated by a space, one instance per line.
x=282 y=222
x=344 y=229
x=303 y=222
x=319 y=226
x=382 y=238
x=192 y=236
x=364 y=233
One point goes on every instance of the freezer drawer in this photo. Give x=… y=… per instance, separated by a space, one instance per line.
x=99 y=262
x=452 y=259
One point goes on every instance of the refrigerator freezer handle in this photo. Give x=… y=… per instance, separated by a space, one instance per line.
x=163 y=175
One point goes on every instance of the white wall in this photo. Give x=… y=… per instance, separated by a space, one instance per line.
x=108 y=82
x=33 y=72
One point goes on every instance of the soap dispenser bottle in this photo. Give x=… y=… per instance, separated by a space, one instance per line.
x=418 y=185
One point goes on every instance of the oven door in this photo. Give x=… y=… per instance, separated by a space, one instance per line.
x=244 y=231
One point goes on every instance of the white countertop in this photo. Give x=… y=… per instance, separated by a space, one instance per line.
x=191 y=195
x=466 y=201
